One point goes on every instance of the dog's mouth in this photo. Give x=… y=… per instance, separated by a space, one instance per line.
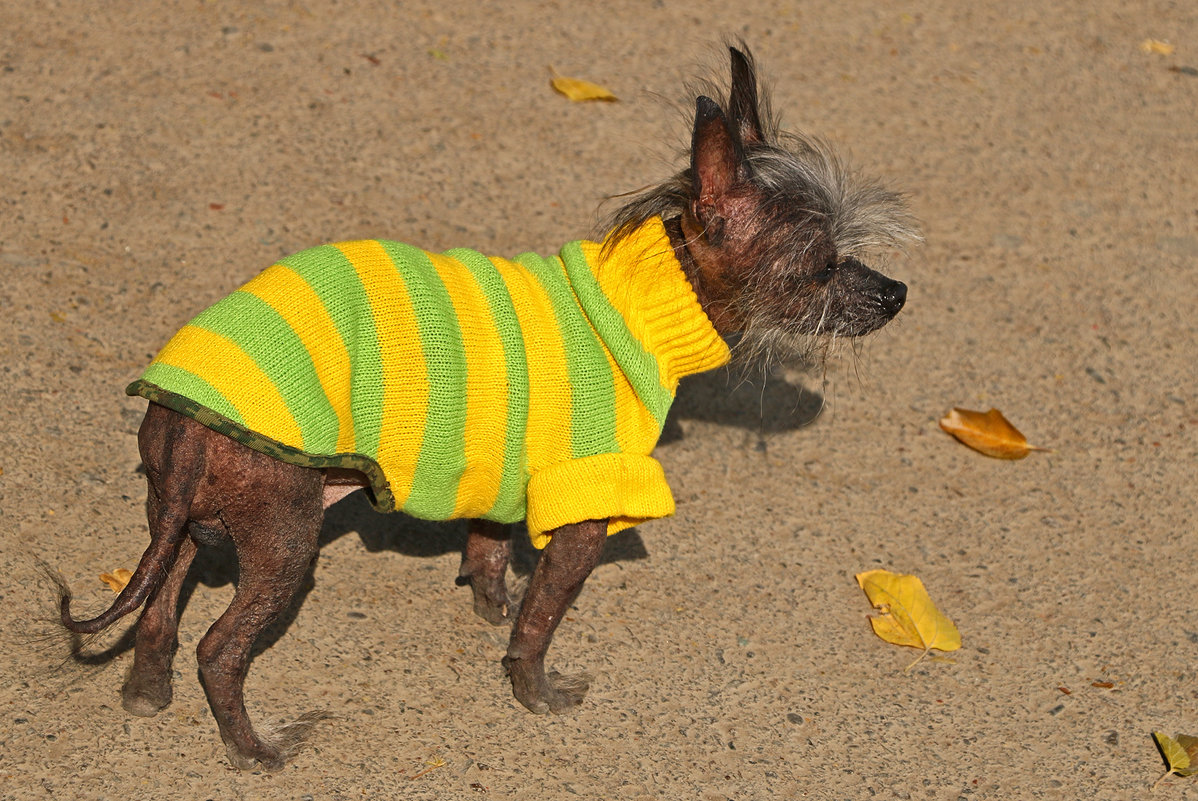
x=861 y=313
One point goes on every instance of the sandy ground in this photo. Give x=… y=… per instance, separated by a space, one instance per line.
x=154 y=156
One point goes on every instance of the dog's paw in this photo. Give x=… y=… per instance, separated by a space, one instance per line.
x=567 y=692
x=494 y=611
x=541 y=693
x=277 y=743
x=146 y=697
x=491 y=601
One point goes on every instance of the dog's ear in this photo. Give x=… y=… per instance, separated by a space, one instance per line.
x=717 y=166
x=742 y=99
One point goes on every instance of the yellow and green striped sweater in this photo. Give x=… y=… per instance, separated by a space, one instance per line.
x=461 y=385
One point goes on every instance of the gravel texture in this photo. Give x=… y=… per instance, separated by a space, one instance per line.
x=155 y=156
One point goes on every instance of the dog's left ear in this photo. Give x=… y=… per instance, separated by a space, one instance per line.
x=742 y=99
x=717 y=167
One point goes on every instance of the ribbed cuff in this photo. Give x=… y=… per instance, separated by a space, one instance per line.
x=624 y=488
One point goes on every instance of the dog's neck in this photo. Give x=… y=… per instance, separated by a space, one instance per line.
x=714 y=306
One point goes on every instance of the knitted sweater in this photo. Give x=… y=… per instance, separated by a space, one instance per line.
x=461 y=385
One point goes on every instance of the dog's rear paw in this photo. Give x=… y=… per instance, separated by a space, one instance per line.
x=490 y=595
x=277 y=743
x=567 y=692
x=541 y=693
x=146 y=698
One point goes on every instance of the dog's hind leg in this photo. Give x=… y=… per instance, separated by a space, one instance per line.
x=275 y=531
x=147 y=690
x=484 y=565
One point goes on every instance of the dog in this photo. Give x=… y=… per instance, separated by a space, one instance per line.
x=461 y=386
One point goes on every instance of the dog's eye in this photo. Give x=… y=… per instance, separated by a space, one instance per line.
x=827 y=273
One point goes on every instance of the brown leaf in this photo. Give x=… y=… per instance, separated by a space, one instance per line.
x=1190 y=744
x=987 y=432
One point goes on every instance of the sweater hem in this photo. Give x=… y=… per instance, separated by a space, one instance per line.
x=380 y=493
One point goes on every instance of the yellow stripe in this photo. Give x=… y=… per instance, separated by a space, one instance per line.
x=548 y=436
x=299 y=305
x=405 y=377
x=486 y=397
x=238 y=378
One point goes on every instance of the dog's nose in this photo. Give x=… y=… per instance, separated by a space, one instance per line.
x=893 y=297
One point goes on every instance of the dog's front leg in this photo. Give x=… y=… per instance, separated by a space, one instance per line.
x=484 y=565
x=565 y=563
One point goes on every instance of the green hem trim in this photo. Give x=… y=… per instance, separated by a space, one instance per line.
x=382 y=498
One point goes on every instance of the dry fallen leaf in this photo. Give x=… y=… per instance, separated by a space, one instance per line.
x=987 y=432
x=117 y=579
x=1180 y=753
x=1157 y=46
x=578 y=90
x=431 y=765
x=908 y=616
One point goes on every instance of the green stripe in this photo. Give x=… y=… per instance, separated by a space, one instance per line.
x=336 y=282
x=510 y=502
x=592 y=391
x=265 y=337
x=638 y=364
x=185 y=383
x=442 y=459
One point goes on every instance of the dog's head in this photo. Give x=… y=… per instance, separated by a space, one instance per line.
x=775 y=229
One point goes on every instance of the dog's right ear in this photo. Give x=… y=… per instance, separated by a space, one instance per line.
x=717 y=167
x=743 y=99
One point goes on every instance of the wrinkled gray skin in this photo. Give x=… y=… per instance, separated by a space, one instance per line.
x=752 y=226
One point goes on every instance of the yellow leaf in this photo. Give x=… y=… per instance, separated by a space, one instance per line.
x=907 y=614
x=117 y=579
x=1157 y=46
x=1178 y=752
x=1174 y=754
x=987 y=432
x=578 y=90
x=1190 y=744
x=431 y=765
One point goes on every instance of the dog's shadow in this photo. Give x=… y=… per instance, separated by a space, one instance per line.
x=760 y=406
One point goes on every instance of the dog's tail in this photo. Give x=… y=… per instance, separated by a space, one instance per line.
x=151 y=571
x=168 y=509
